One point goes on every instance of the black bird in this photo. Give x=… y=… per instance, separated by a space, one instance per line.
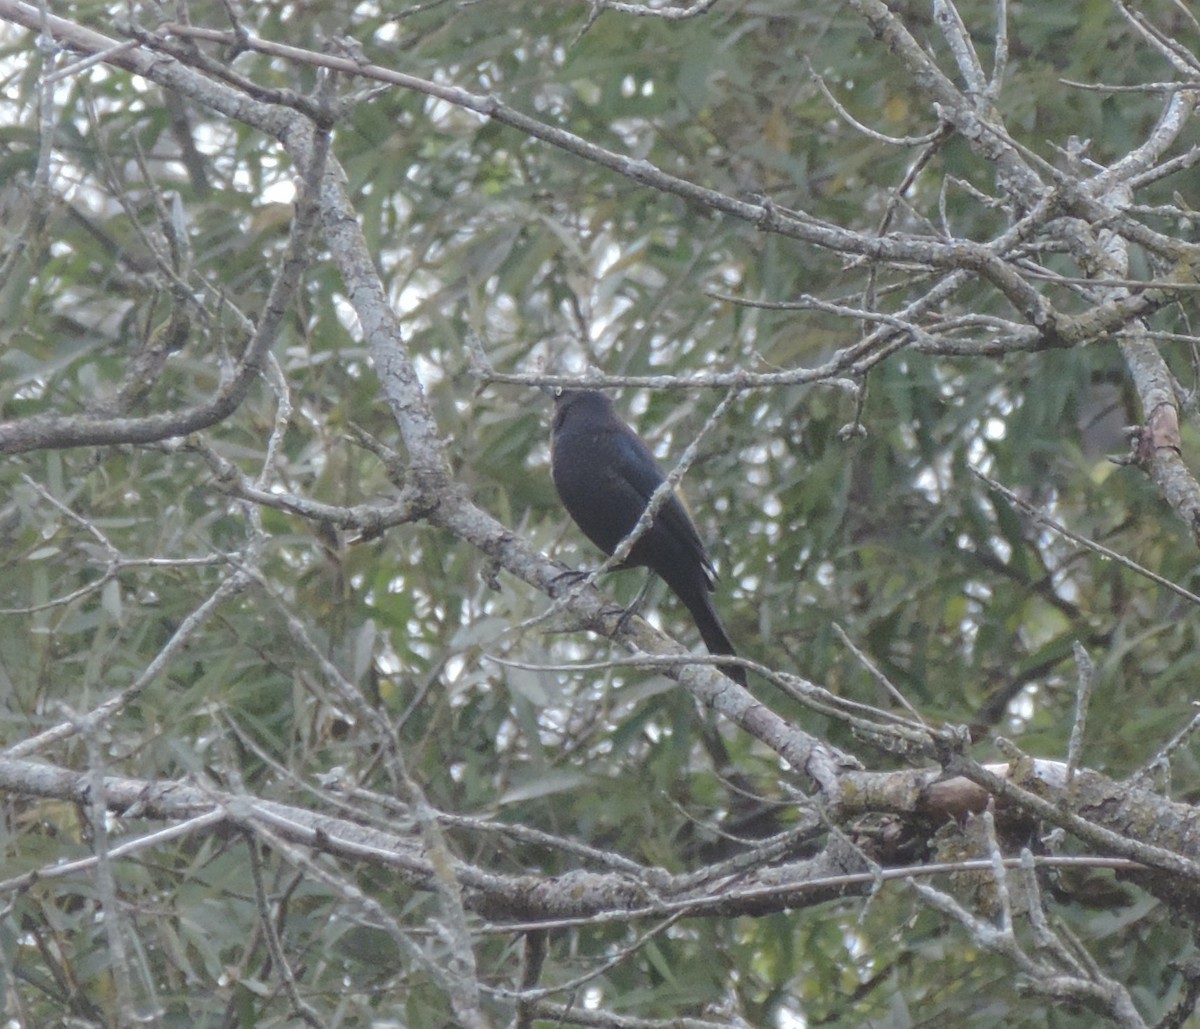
x=605 y=476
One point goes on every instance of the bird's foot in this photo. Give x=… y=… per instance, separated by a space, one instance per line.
x=627 y=615
x=570 y=576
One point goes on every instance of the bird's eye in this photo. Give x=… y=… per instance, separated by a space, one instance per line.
x=558 y=391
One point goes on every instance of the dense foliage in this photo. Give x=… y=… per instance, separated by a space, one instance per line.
x=936 y=323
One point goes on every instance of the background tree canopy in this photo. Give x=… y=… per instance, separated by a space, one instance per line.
x=302 y=722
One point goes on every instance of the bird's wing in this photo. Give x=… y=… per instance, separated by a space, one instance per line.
x=642 y=475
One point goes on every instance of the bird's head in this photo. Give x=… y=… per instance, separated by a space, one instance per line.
x=570 y=404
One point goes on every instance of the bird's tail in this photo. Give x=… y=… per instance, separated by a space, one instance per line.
x=697 y=598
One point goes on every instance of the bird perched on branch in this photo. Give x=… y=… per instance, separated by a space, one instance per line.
x=605 y=476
